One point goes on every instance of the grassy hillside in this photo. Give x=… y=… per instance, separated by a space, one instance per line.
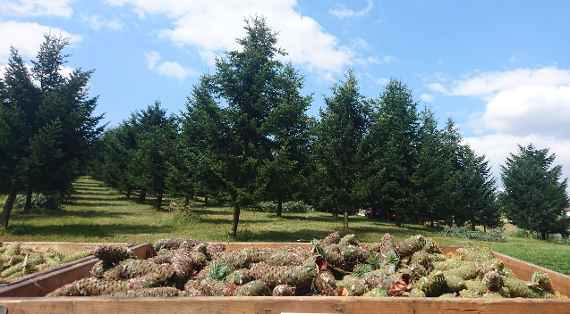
x=98 y=214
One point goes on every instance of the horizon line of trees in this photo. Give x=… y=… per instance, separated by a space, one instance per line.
x=245 y=137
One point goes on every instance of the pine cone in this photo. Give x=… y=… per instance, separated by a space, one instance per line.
x=253 y=288
x=283 y=291
x=493 y=281
x=112 y=255
x=325 y=283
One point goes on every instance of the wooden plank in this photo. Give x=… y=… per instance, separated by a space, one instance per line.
x=43 y=283
x=278 y=305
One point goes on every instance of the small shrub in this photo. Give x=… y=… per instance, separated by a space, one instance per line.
x=288 y=207
x=40 y=201
x=492 y=235
x=297 y=207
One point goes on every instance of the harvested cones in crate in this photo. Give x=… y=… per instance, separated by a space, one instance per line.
x=17 y=261
x=333 y=266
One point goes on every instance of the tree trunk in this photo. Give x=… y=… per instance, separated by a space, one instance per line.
x=484 y=228
x=7 y=210
x=158 y=201
x=28 y=204
x=128 y=194
x=279 y=208
x=142 y=196
x=235 y=222
x=206 y=200
x=432 y=224
x=346 y=220
x=186 y=200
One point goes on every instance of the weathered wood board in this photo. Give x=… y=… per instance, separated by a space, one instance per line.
x=274 y=305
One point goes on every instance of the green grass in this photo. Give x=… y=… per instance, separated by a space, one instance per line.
x=100 y=214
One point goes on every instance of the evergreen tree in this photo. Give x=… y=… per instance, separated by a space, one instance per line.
x=284 y=174
x=431 y=173
x=51 y=125
x=202 y=127
x=249 y=82
x=391 y=154
x=155 y=144
x=341 y=129
x=476 y=192
x=534 y=196
x=17 y=118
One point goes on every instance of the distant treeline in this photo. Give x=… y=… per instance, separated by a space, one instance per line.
x=245 y=137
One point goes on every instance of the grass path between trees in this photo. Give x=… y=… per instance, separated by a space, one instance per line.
x=100 y=214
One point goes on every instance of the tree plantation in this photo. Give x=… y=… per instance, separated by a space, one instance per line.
x=245 y=137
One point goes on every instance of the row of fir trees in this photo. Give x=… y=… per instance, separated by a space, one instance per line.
x=47 y=126
x=245 y=134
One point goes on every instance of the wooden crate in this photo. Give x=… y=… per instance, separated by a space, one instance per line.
x=19 y=300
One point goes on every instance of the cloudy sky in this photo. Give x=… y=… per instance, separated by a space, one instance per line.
x=501 y=69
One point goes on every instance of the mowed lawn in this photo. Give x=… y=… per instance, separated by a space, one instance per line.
x=100 y=214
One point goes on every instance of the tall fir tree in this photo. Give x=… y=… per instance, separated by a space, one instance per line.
x=391 y=154
x=343 y=124
x=196 y=171
x=431 y=173
x=249 y=82
x=476 y=192
x=285 y=173
x=535 y=195
x=156 y=140
x=52 y=124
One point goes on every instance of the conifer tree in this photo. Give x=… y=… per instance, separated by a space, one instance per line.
x=535 y=195
x=341 y=129
x=202 y=127
x=430 y=175
x=285 y=173
x=249 y=82
x=51 y=125
x=391 y=153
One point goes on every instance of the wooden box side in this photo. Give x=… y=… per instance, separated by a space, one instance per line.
x=277 y=305
x=42 y=283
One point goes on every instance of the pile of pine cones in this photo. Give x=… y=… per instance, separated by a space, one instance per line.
x=17 y=261
x=333 y=266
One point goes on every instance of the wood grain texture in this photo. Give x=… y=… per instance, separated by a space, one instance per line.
x=277 y=305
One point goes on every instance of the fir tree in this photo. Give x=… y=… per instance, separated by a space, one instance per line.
x=249 y=80
x=341 y=129
x=391 y=153
x=431 y=173
x=534 y=196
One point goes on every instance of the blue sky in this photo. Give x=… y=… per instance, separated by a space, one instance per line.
x=501 y=69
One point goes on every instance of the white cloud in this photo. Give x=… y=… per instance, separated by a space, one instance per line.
x=486 y=83
x=342 y=11
x=60 y=8
x=26 y=37
x=167 y=68
x=304 y=38
x=522 y=106
x=426 y=97
x=497 y=148
x=97 y=22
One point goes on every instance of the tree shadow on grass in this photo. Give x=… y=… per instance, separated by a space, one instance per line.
x=86 y=230
x=218 y=221
x=74 y=213
x=97 y=204
x=97 y=197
